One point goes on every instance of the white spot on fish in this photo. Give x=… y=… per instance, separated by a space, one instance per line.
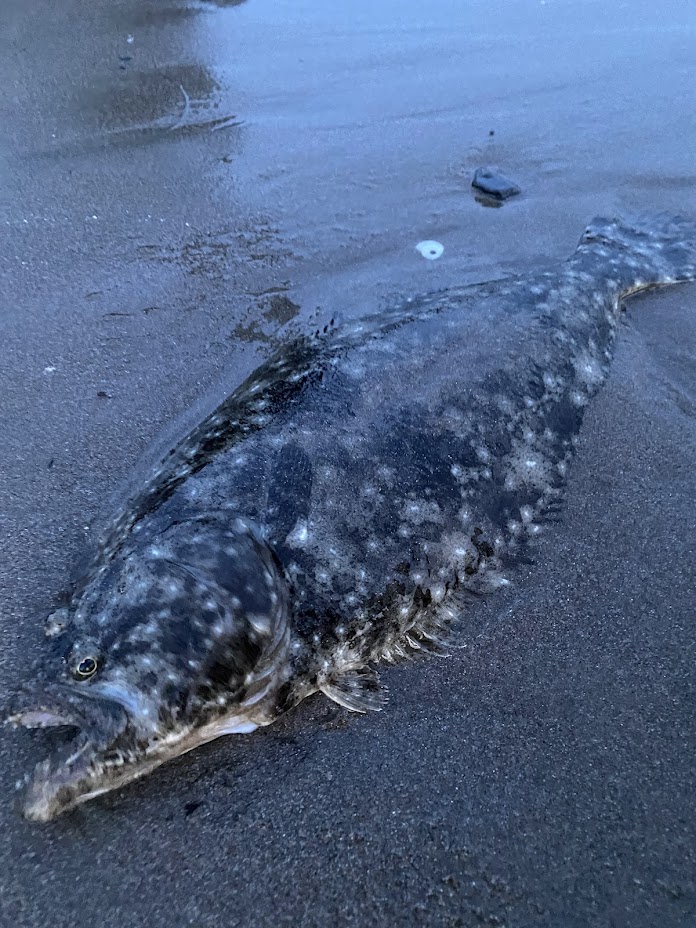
x=299 y=535
x=260 y=623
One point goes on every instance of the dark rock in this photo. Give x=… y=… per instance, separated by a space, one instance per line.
x=494 y=185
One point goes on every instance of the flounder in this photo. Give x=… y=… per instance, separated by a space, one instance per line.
x=334 y=512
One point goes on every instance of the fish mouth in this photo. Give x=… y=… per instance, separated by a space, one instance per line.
x=110 y=748
x=91 y=763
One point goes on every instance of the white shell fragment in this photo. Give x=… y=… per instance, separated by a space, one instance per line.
x=430 y=250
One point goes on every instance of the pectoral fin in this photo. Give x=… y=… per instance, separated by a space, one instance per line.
x=357 y=690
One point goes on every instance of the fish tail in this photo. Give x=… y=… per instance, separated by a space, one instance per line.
x=643 y=250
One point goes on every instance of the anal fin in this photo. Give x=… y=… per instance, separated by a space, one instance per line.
x=357 y=690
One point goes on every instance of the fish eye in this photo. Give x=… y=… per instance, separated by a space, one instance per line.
x=86 y=667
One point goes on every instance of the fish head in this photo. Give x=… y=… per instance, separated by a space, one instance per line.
x=173 y=643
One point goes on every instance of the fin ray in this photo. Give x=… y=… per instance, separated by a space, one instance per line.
x=431 y=634
x=357 y=690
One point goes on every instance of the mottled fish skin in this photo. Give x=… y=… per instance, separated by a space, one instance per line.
x=334 y=512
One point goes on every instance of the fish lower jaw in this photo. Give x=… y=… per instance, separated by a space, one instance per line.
x=44 y=802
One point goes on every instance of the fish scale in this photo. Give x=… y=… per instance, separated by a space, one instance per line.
x=335 y=512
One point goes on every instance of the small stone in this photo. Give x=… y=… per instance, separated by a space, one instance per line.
x=494 y=185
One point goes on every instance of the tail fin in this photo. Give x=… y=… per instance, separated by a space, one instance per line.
x=644 y=250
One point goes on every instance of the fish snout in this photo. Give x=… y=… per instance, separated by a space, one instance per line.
x=58 y=783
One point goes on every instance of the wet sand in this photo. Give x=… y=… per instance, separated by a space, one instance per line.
x=183 y=184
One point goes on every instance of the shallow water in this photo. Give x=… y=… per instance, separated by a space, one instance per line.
x=182 y=183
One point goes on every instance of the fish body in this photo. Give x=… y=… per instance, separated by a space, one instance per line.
x=334 y=513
